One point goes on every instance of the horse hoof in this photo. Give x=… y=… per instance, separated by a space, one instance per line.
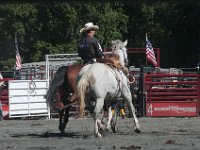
x=98 y=135
x=137 y=130
x=62 y=129
x=114 y=129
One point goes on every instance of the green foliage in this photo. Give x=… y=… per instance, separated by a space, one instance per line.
x=8 y=64
x=55 y=28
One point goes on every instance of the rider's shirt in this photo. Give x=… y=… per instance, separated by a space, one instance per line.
x=94 y=45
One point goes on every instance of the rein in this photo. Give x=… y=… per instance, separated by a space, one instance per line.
x=112 y=68
x=128 y=75
x=133 y=78
x=68 y=105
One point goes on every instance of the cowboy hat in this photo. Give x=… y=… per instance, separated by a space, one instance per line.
x=89 y=26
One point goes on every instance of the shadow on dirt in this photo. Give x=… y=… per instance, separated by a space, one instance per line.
x=48 y=134
x=105 y=133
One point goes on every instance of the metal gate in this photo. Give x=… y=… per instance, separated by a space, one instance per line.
x=54 y=61
x=165 y=92
x=172 y=94
x=26 y=98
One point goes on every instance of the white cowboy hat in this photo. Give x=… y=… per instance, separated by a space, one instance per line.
x=89 y=26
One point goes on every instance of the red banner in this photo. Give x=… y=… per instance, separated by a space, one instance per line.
x=171 y=109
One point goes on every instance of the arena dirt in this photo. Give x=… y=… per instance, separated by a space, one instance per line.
x=157 y=134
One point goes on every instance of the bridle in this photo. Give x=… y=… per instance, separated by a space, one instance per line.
x=123 y=53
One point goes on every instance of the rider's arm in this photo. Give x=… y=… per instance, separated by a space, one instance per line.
x=98 y=49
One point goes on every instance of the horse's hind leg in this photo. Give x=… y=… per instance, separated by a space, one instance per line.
x=66 y=117
x=63 y=112
x=97 y=122
x=63 y=120
x=60 y=127
x=128 y=98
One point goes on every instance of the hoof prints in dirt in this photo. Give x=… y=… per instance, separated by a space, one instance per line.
x=132 y=147
x=172 y=142
x=41 y=148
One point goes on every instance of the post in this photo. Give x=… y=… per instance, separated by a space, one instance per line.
x=198 y=79
x=141 y=93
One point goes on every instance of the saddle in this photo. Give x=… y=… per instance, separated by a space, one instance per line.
x=112 y=60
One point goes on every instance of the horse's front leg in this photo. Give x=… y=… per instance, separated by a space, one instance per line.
x=109 y=117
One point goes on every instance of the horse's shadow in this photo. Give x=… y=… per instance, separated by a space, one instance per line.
x=48 y=134
x=72 y=135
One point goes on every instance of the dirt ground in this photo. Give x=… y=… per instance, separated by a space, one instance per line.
x=157 y=134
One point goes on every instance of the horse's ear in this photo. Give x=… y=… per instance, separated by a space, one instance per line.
x=125 y=43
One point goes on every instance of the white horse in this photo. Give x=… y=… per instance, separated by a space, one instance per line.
x=99 y=83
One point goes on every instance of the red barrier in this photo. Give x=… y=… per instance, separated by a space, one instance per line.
x=4 y=98
x=172 y=94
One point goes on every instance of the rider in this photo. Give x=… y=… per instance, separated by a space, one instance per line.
x=1 y=112
x=89 y=48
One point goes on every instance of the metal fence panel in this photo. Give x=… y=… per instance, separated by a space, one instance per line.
x=26 y=98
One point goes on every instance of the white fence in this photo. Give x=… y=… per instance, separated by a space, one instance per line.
x=26 y=98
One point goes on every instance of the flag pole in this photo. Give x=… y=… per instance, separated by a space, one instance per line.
x=18 y=57
x=150 y=54
x=146 y=55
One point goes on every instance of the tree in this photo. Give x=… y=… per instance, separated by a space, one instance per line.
x=54 y=28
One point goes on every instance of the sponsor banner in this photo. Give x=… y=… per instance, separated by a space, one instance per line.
x=171 y=109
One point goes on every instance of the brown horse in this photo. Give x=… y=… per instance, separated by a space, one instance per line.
x=63 y=87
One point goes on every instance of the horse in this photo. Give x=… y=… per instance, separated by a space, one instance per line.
x=99 y=83
x=62 y=88
x=63 y=85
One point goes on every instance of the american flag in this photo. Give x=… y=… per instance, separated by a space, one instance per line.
x=18 y=57
x=150 y=52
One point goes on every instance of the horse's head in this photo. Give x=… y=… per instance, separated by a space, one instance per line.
x=117 y=46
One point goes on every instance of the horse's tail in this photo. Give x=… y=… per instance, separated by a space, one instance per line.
x=56 y=82
x=82 y=87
